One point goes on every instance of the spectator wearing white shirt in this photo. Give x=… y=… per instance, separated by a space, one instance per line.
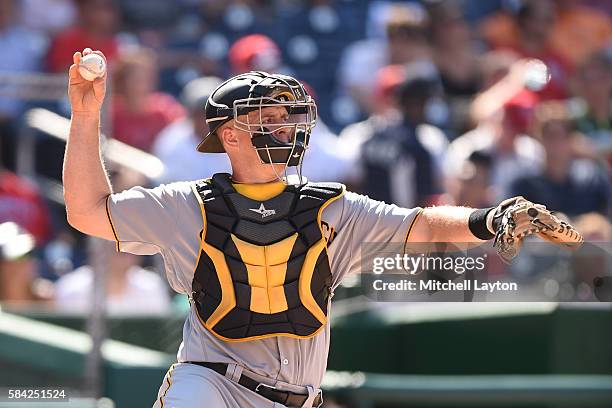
x=176 y=144
x=406 y=42
x=131 y=289
x=329 y=157
x=50 y=16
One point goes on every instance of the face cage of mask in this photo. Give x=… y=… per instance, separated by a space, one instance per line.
x=307 y=109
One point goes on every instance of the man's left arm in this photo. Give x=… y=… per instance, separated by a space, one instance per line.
x=444 y=224
x=360 y=228
x=508 y=223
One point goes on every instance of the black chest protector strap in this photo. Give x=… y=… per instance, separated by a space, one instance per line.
x=263 y=268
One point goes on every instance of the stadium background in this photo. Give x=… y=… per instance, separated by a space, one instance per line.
x=420 y=103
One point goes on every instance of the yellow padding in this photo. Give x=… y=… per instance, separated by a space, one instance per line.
x=306 y=277
x=228 y=297
x=307 y=271
x=260 y=192
x=266 y=269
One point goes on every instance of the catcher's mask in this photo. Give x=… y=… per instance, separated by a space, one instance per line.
x=274 y=109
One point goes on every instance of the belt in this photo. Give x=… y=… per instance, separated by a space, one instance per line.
x=270 y=392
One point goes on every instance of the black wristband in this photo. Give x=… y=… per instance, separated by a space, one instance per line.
x=478 y=224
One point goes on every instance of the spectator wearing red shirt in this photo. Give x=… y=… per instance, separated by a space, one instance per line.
x=95 y=28
x=21 y=203
x=139 y=112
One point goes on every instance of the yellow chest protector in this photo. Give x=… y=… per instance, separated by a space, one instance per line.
x=263 y=269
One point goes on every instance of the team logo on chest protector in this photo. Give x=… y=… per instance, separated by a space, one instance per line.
x=263 y=269
x=262 y=210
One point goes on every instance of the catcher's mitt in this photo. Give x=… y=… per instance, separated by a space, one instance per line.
x=516 y=218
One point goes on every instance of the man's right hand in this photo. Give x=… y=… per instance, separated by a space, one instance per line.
x=85 y=96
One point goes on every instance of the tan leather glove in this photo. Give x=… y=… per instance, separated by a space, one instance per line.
x=516 y=218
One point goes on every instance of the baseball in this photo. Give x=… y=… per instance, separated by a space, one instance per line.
x=537 y=75
x=92 y=66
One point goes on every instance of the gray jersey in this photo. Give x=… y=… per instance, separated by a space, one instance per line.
x=167 y=220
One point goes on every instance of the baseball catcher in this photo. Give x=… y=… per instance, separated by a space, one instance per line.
x=259 y=252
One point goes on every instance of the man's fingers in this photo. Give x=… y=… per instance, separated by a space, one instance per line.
x=76 y=58
x=73 y=72
x=99 y=88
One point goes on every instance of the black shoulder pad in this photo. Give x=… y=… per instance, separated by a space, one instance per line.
x=323 y=190
x=223 y=181
x=204 y=187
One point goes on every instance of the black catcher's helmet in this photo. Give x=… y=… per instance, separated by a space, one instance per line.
x=256 y=91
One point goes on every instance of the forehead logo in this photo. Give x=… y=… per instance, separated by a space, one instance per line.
x=284 y=96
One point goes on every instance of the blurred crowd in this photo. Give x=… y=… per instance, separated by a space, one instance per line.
x=427 y=102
